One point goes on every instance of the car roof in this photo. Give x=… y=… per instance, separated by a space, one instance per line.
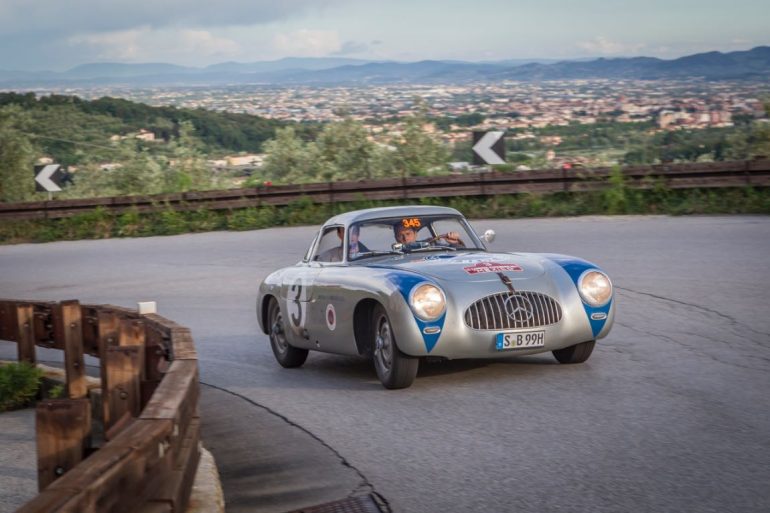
x=368 y=214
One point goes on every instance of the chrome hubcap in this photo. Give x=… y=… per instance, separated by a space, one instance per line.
x=383 y=346
x=277 y=336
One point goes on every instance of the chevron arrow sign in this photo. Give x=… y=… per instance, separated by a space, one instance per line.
x=48 y=178
x=488 y=148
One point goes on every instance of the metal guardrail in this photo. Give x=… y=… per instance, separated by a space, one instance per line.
x=741 y=173
x=130 y=446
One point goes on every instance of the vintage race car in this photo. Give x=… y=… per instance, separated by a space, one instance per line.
x=401 y=283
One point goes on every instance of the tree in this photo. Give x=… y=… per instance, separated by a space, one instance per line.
x=187 y=169
x=17 y=156
x=417 y=153
x=290 y=160
x=345 y=151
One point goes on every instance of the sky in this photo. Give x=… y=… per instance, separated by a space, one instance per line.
x=60 y=34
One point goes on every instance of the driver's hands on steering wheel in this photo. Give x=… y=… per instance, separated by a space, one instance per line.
x=452 y=238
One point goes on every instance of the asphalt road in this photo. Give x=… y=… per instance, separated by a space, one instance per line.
x=670 y=413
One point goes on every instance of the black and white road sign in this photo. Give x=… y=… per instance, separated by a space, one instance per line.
x=488 y=148
x=48 y=177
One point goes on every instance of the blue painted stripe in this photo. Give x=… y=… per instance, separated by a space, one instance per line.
x=405 y=282
x=574 y=267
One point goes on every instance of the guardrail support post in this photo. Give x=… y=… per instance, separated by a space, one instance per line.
x=7 y=322
x=72 y=330
x=122 y=394
x=63 y=426
x=131 y=332
x=108 y=335
x=26 y=329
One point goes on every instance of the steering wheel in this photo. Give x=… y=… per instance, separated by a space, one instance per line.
x=445 y=236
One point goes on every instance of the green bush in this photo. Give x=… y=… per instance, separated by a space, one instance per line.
x=56 y=392
x=171 y=222
x=19 y=383
x=619 y=198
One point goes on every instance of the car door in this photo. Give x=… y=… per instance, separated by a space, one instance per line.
x=302 y=316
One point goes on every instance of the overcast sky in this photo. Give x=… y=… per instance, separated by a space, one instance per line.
x=60 y=34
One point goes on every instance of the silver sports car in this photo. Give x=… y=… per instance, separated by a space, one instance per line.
x=401 y=283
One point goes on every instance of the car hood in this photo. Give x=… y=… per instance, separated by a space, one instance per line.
x=469 y=267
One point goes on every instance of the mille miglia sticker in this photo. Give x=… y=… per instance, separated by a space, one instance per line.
x=492 y=267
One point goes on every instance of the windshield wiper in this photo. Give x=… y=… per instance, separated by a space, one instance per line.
x=365 y=254
x=432 y=248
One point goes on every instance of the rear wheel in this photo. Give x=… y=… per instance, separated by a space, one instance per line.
x=575 y=354
x=394 y=368
x=286 y=355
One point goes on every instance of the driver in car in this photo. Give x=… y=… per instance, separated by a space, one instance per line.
x=408 y=234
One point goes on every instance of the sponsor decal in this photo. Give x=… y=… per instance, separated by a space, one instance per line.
x=431 y=330
x=331 y=317
x=491 y=267
x=598 y=316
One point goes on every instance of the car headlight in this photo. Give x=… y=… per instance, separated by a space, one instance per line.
x=427 y=301
x=595 y=287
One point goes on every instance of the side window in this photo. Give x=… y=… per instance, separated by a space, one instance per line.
x=330 y=246
x=306 y=258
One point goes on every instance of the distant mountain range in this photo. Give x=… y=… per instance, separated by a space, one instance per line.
x=749 y=64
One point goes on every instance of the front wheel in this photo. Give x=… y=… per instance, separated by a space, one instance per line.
x=286 y=355
x=394 y=368
x=575 y=354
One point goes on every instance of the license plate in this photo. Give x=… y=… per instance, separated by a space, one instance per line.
x=520 y=340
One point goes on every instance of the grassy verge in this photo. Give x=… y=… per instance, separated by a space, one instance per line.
x=100 y=224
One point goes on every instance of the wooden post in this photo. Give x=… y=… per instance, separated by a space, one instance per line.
x=7 y=321
x=71 y=328
x=26 y=330
x=108 y=333
x=90 y=318
x=108 y=329
x=131 y=332
x=124 y=366
x=62 y=426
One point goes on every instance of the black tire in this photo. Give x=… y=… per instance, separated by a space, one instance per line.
x=575 y=354
x=286 y=355
x=394 y=368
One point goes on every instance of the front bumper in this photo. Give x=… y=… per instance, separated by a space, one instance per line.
x=457 y=340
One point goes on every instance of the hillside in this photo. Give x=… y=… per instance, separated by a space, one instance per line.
x=751 y=64
x=73 y=130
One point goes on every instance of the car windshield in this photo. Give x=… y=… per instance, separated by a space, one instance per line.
x=410 y=234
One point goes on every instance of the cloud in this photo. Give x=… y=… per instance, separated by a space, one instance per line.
x=77 y=16
x=146 y=44
x=602 y=46
x=352 y=47
x=308 y=43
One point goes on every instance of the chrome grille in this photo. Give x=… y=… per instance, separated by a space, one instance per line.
x=513 y=311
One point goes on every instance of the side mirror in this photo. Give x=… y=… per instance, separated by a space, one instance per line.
x=489 y=236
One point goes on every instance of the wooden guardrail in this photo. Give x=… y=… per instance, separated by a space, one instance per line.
x=741 y=173
x=130 y=445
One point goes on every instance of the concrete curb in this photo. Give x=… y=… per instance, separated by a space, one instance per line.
x=207 y=495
